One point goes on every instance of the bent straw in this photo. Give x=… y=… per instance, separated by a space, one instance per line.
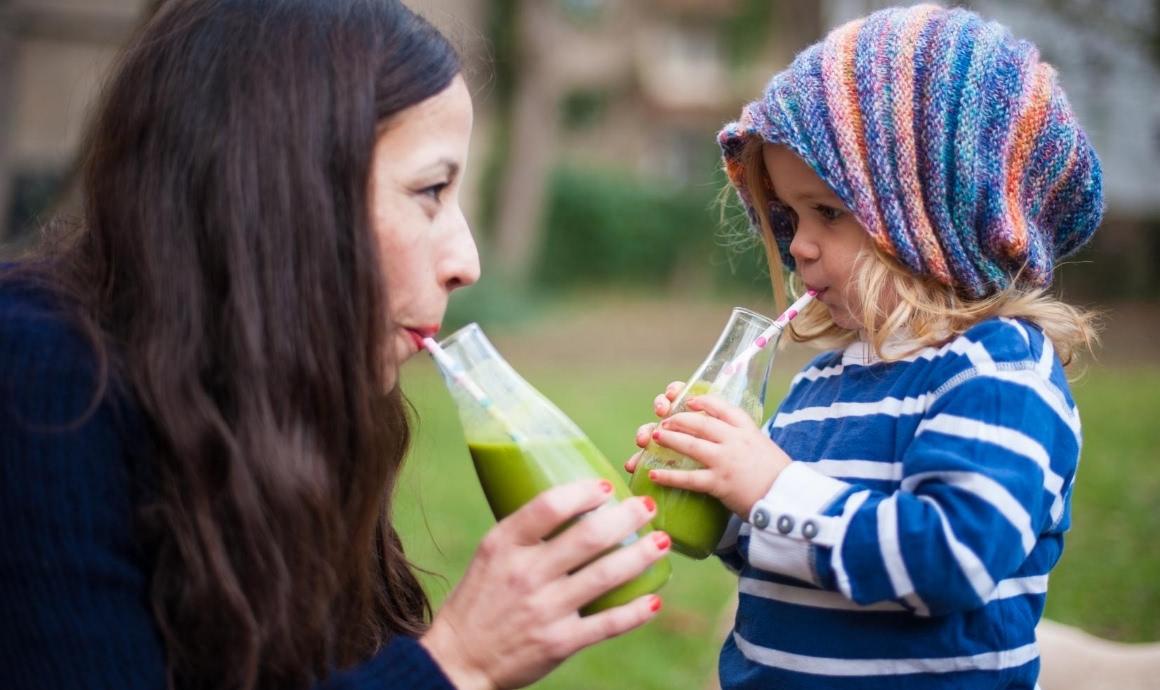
x=453 y=369
x=776 y=327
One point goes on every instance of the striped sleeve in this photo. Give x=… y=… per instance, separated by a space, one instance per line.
x=985 y=476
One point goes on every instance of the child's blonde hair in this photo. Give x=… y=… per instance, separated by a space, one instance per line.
x=929 y=312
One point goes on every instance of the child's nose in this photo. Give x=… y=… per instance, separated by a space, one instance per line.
x=802 y=248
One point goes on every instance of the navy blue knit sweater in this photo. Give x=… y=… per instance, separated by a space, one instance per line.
x=74 y=573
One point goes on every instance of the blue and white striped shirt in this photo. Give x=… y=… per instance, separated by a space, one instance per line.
x=909 y=544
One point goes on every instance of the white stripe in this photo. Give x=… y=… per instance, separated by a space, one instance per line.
x=988 y=490
x=1018 y=327
x=975 y=352
x=969 y=563
x=805 y=596
x=828 y=666
x=1019 y=586
x=1009 y=439
x=814 y=373
x=892 y=556
x=890 y=406
x=853 y=503
x=859 y=469
x=1048 y=392
x=1046 y=360
x=827 y=599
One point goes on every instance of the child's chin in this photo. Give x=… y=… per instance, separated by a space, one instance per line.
x=843 y=319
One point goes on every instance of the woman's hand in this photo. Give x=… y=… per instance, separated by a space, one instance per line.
x=513 y=617
x=740 y=461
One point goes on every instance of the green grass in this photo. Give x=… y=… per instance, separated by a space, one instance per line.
x=1108 y=581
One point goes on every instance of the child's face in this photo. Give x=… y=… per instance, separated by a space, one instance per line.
x=827 y=238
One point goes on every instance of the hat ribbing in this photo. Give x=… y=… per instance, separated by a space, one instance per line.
x=948 y=139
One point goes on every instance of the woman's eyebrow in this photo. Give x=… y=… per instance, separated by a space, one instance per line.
x=444 y=165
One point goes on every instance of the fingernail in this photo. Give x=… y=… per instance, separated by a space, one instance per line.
x=662 y=540
x=656 y=435
x=693 y=402
x=649 y=504
x=606 y=486
x=652 y=474
x=654 y=603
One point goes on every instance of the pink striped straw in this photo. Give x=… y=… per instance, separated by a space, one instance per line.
x=776 y=327
x=449 y=365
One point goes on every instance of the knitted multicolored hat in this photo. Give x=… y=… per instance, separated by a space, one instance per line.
x=947 y=138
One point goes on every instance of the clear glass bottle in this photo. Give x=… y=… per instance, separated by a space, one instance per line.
x=522 y=444
x=696 y=522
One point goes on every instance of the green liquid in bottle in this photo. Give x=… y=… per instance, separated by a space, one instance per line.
x=512 y=474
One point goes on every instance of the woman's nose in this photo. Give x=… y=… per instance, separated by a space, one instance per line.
x=460 y=265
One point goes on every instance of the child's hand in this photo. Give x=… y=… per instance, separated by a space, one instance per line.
x=661 y=406
x=740 y=461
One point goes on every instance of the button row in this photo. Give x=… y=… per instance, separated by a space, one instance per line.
x=785 y=523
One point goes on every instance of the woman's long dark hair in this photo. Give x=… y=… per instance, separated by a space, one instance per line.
x=228 y=272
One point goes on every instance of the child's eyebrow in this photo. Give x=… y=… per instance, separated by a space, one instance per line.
x=828 y=197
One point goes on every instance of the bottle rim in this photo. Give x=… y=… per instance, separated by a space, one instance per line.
x=470 y=330
x=761 y=318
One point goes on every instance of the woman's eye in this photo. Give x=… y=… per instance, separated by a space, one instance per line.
x=829 y=213
x=435 y=191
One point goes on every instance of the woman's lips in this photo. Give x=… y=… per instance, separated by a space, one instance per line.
x=420 y=332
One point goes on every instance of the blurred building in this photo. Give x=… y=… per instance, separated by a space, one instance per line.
x=639 y=85
x=52 y=56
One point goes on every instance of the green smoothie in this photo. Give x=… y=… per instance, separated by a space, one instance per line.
x=512 y=474
x=696 y=522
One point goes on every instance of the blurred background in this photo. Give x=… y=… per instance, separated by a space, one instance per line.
x=611 y=259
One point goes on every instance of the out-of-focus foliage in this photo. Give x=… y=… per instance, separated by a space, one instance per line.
x=607 y=227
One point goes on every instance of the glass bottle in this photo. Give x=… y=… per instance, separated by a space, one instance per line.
x=521 y=444
x=696 y=522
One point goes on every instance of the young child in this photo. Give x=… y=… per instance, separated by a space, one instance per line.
x=898 y=517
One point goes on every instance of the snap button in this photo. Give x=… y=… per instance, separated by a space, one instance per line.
x=809 y=529
x=761 y=518
x=785 y=524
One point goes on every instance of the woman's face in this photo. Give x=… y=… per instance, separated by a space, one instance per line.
x=827 y=238
x=425 y=243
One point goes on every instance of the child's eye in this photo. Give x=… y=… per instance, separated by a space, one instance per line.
x=829 y=213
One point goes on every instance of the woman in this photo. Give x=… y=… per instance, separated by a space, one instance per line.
x=200 y=426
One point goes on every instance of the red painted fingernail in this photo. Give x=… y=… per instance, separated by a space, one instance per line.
x=662 y=540
x=652 y=474
x=606 y=486
x=656 y=434
x=655 y=603
x=649 y=504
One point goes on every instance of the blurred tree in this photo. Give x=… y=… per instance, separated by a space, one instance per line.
x=544 y=52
